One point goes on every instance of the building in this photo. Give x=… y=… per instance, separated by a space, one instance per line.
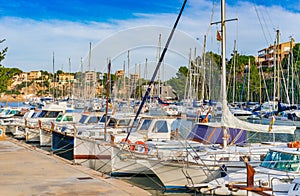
x=33 y=75
x=90 y=77
x=273 y=55
x=164 y=91
x=65 y=78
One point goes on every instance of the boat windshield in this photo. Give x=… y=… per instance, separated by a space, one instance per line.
x=160 y=127
x=145 y=125
x=124 y=122
x=281 y=161
x=83 y=119
x=93 y=119
x=48 y=114
x=59 y=117
x=103 y=119
x=7 y=112
x=66 y=118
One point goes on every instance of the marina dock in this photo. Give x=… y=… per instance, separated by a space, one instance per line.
x=28 y=170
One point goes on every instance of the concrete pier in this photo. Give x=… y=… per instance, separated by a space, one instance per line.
x=27 y=170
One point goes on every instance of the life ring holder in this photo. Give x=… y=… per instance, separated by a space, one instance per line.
x=140 y=143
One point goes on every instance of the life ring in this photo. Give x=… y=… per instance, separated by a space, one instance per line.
x=140 y=143
x=295 y=144
x=126 y=141
x=131 y=147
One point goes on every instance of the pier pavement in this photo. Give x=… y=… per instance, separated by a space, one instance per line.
x=27 y=170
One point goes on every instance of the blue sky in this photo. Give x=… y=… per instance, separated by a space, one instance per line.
x=85 y=10
x=35 y=29
x=101 y=11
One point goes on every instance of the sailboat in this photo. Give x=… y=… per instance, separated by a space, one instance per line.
x=193 y=167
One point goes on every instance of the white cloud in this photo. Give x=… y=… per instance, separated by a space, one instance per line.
x=31 y=42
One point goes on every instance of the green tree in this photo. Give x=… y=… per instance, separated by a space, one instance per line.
x=178 y=82
x=6 y=75
x=241 y=61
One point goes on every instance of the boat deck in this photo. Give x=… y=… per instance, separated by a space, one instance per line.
x=27 y=170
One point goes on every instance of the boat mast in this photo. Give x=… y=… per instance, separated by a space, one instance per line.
x=224 y=102
x=69 y=94
x=204 y=67
x=128 y=64
x=107 y=97
x=292 y=66
x=89 y=69
x=278 y=63
x=124 y=82
x=234 y=63
x=53 y=77
x=158 y=51
x=82 y=94
x=223 y=79
x=248 y=92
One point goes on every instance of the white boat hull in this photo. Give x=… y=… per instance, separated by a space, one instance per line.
x=94 y=154
x=32 y=135
x=45 y=137
x=179 y=175
x=124 y=163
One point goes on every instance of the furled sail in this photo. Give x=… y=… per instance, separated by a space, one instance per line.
x=229 y=120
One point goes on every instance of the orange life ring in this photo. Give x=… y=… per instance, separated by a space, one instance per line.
x=131 y=147
x=126 y=141
x=140 y=143
x=295 y=144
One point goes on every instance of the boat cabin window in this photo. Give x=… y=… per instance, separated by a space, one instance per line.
x=93 y=119
x=136 y=122
x=59 y=117
x=103 y=118
x=64 y=129
x=49 y=114
x=7 y=112
x=13 y=112
x=35 y=114
x=160 y=127
x=146 y=124
x=68 y=119
x=112 y=122
x=124 y=122
x=83 y=119
x=296 y=187
x=281 y=161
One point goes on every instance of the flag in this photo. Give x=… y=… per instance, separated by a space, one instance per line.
x=219 y=37
x=271 y=123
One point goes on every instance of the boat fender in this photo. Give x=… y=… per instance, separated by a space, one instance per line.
x=140 y=143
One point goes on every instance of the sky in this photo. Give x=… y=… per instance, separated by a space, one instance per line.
x=81 y=35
